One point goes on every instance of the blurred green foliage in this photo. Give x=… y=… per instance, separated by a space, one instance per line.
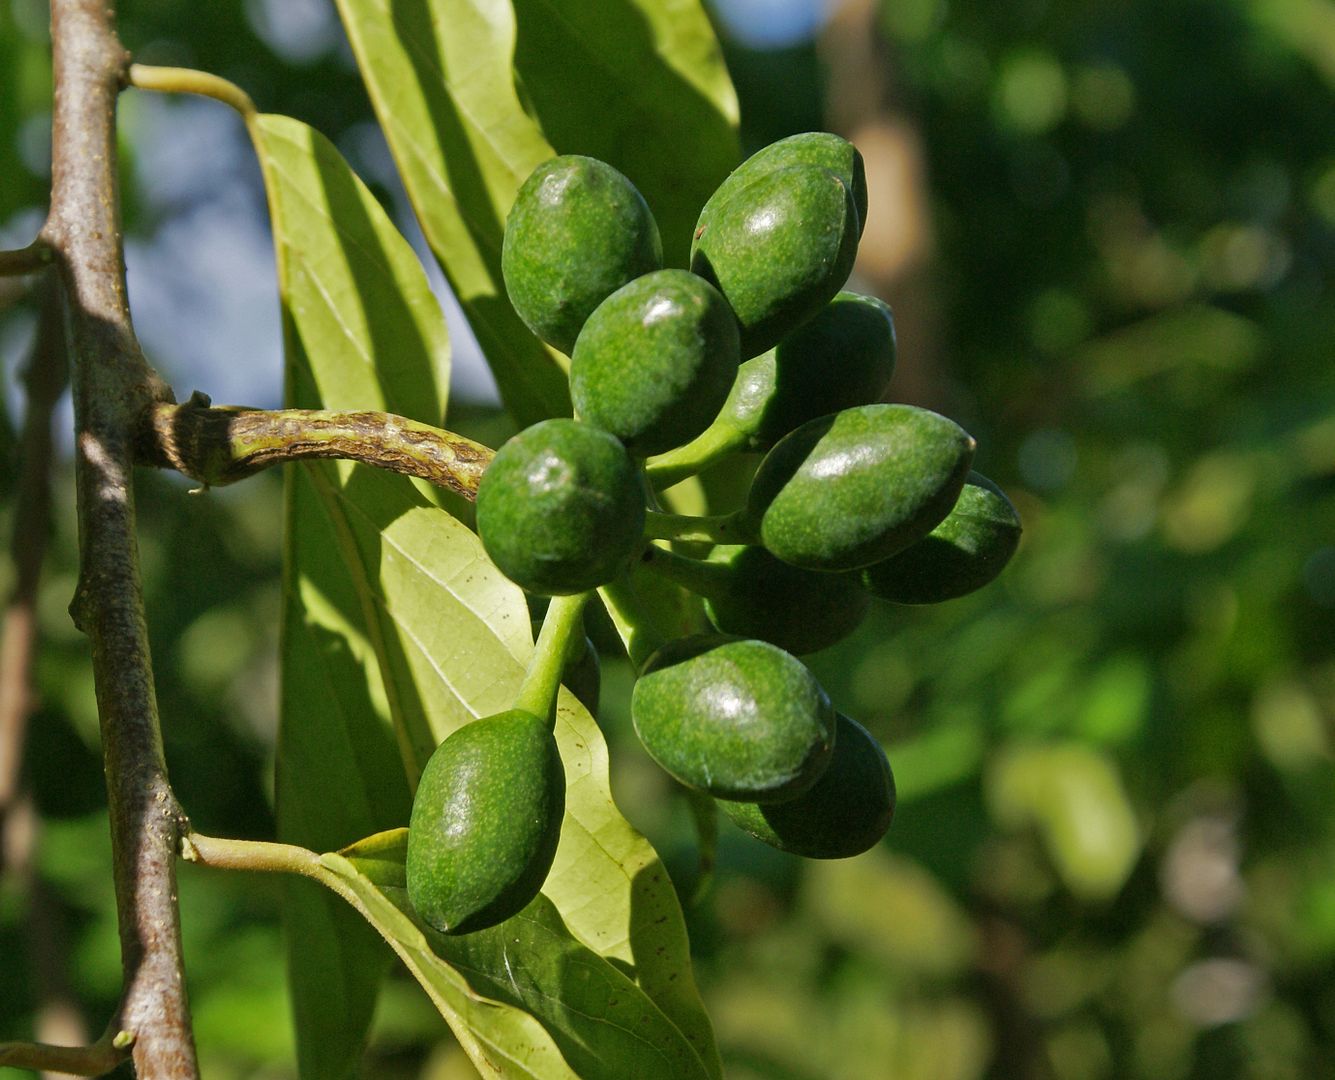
x=1114 y=854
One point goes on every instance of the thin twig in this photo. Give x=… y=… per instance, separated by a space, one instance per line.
x=220 y=445
x=95 y=1060
x=25 y=260
x=113 y=387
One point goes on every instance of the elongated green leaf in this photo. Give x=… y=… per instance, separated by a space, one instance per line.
x=439 y=75
x=640 y=84
x=396 y=613
x=356 y=298
x=603 y=1024
x=501 y=1039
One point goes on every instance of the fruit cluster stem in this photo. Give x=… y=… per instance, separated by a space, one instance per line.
x=220 y=445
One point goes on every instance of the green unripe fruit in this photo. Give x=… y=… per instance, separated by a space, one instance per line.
x=560 y=509
x=842 y=357
x=821 y=148
x=736 y=719
x=485 y=823
x=655 y=361
x=965 y=552
x=577 y=232
x=851 y=489
x=750 y=593
x=845 y=813
x=778 y=248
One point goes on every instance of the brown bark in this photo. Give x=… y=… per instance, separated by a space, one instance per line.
x=113 y=387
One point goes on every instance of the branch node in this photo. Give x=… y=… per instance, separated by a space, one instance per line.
x=26 y=260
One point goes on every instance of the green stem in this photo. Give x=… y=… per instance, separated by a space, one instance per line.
x=638 y=628
x=174 y=80
x=702 y=578
x=713 y=444
x=735 y=528
x=258 y=855
x=537 y=693
x=223 y=444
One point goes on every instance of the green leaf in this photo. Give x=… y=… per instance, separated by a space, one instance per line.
x=439 y=75
x=362 y=330
x=592 y=1014
x=399 y=630
x=640 y=84
x=453 y=638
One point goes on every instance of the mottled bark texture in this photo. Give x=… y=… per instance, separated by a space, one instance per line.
x=220 y=445
x=113 y=389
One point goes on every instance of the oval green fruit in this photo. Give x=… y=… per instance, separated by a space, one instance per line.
x=962 y=554
x=577 y=232
x=845 y=491
x=844 y=356
x=750 y=593
x=778 y=248
x=560 y=508
x=845 y=813
x=822 y=148
x=734 y=718
x=485 y=822
x=655 y=361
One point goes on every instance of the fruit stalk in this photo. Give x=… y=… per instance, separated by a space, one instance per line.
x=736 y=528
x=702 y=578
x=542 y=680
x=713 y=444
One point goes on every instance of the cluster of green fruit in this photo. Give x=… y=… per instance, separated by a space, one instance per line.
x=755 y=348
